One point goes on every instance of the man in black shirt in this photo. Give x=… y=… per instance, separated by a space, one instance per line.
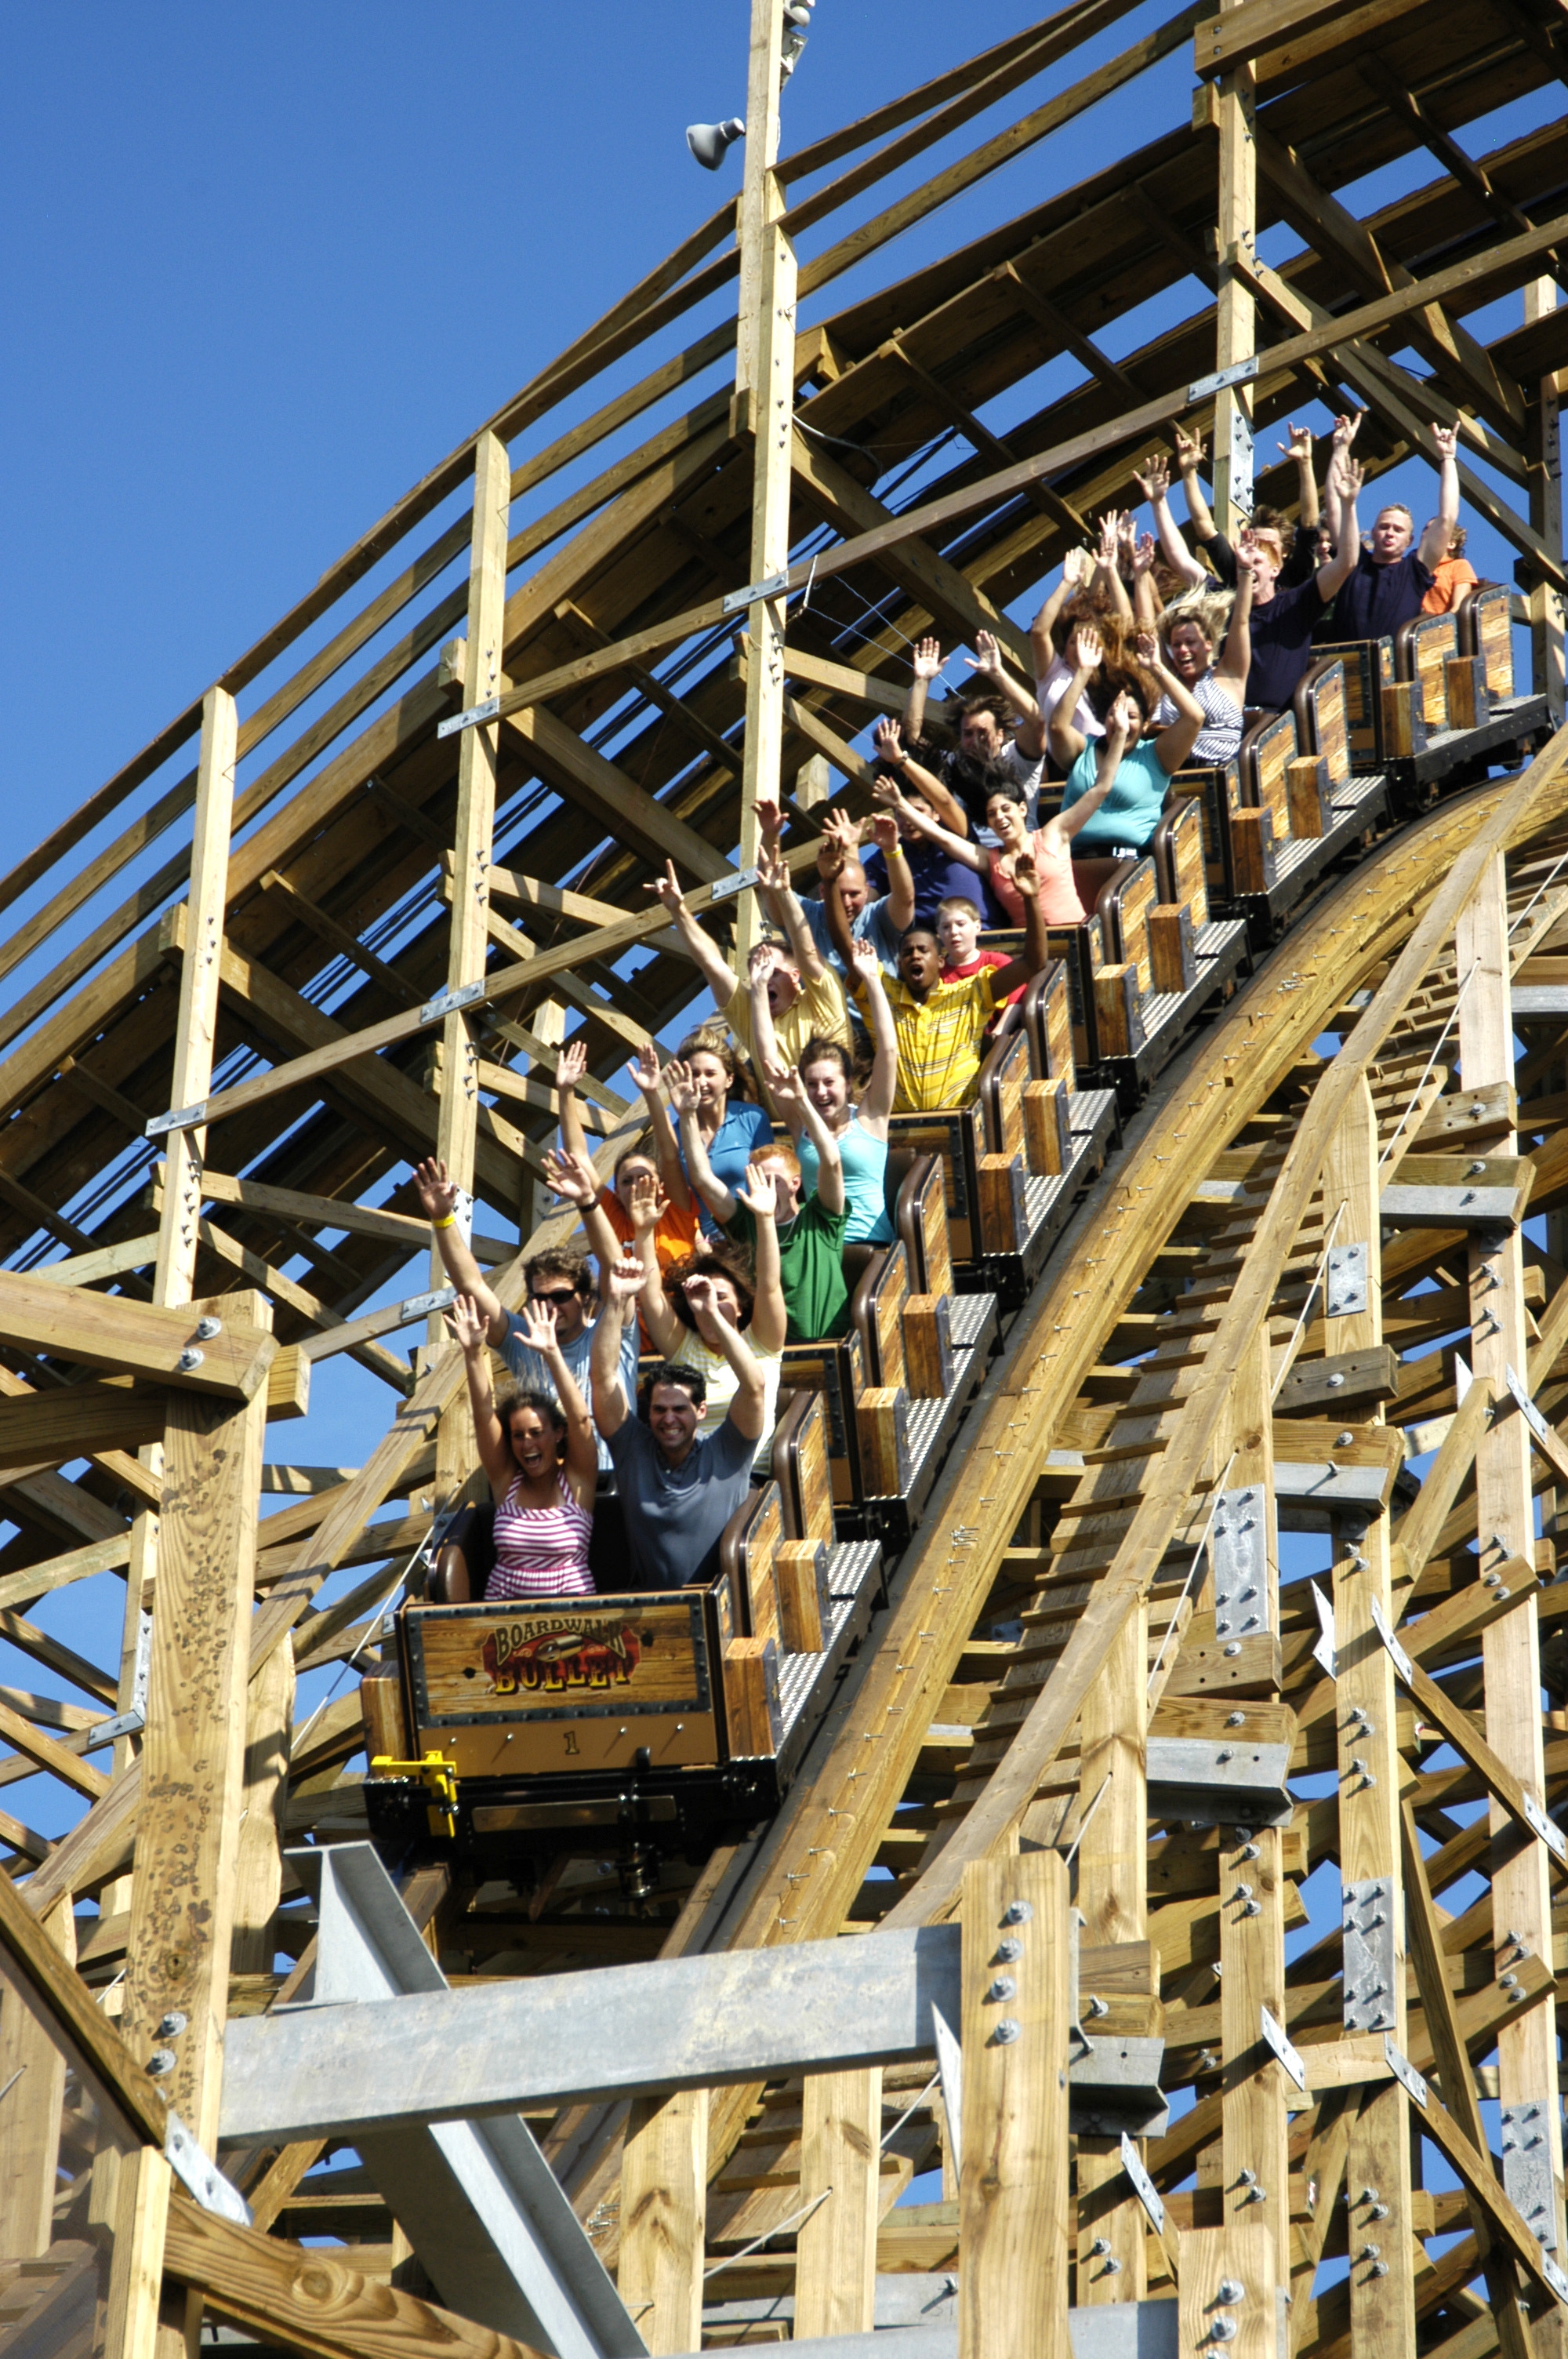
x=1391 y=576
x=1282 y=620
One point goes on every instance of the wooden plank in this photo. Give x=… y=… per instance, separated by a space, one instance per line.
x=35 y=1746
x=333 y=1213
x=135 y=1338
x=61 y=1996
x=182 y=1900
x=23 y=1589
x=143 y=2182
x=32 y=2071
x=1013 y=2188
x=663 y=2206
x=1234 y=321
x=840 y=2164
x=46 y=1429
x=629 y=814
x=322 y=924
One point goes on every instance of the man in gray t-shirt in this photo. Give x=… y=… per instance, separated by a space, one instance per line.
x=677 y=1492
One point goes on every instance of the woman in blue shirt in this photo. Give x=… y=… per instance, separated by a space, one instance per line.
x=860 y=1131
x=1125 y=822
x=732 y=1131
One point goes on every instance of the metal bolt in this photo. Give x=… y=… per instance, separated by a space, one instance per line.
x=1379 y=2211
x=1335 y=1381
x=160 y=2062
x=207 y=1328
x=1233 y=1648
x=1368 y=2252
x=1097 y=2008
x=1222 y=2327
x=1224 y=1755
x=1113 y=2268
x=1017 y=1912
x=1369 y=2195
x=1235 y=1719
x=1247 y=2178
x=1344 y=1440
x=1099 y=2249
x=1231 y=2289
x=1003 y=1987
x=172 y=2024
x=1006 y=2032
x=189 y=1359
x=1008 y=1953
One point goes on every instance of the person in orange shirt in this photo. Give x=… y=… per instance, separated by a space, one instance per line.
x=676 y=1234
x=1453 y=578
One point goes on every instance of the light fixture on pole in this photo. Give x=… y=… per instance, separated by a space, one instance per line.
x=709 y=142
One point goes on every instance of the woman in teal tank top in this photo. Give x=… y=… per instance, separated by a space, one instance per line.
x=1139 y=767
x=861 y=1130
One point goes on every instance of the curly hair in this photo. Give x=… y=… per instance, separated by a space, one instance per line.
x=1210 y=613
x=1115 y=680
x=544 y=1406
x=719 y=1261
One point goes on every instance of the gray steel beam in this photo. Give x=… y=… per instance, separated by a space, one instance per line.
x=619 y=2031
x=476 y=2198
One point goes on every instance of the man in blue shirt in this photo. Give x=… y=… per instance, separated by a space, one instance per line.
x=937 y=876
x=1391 y=576
x=878 y=921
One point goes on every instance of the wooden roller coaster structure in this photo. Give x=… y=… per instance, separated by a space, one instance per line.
x=1178 y=1522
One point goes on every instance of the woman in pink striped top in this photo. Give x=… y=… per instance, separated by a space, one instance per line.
x=542 y=1461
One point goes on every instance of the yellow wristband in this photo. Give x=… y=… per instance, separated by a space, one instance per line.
x=896 y=853
x=450 y=1222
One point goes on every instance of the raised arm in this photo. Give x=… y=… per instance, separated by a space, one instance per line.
x=644 y=1075
x=1085 y=649
x=575 y=1182
x=758 y=967
x=611 y=1406
x=1155 y=483
x=710 y=1188
x=1235 y=655
x=749 y=1407
x=987 y=664
x=1006 y=980
x=710 y=961
x=876 y=1098
x=570 y=1067
x=469 y=1330
x=770 y=1321
x=1434 y=540
x=1189 y=459
x=890 y=749
x=1299 y=447
x=774 y=877
x=926 y=663
x=925 y=822
x=1121 y=724
x=788 y=1091
x=438 y=1193
x=1145 y=599
x=1077 y=570
x=657 y=1316
x=1344 y=479
x=1176 y=740
x=1107 y=566
x=901 y=882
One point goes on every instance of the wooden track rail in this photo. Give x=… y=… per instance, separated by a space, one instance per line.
x=1237 y=1562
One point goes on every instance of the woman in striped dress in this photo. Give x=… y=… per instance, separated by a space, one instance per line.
x=1191 y=632
x=541 y=1461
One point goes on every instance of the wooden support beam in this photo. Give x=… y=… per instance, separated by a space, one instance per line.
x=101 y=1331
x=182 y=1900
x=32 y=2071
x=46 y=1429
x=1056 y=324
x=342 y=939
x=981 y=440
x=664 y=2207
x=628 y=814
x=840 y=2164
x=1235 y=317
x=1014 y=2200
x=333 y=1213
x=1543 y=447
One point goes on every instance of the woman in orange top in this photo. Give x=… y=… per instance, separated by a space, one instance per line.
x=675 y=1236
x=1453 y=578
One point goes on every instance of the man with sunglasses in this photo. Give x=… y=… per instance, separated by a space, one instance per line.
x=563 y=1280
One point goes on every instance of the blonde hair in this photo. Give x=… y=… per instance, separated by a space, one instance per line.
x=1211 y=613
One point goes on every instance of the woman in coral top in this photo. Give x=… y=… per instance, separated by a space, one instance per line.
x=1050 y=847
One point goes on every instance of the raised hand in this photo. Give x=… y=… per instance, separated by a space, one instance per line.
x=784 y=1085
x=571 y=1177
x=699 y=1293
x=770 y=818
x=1189 y=450
x=667 y=888
x=772 y=872
x=1299 y=447
x=1345 y=430
x=1154 y=479
x=925 y=659
x=627 y=1277
x=760 y=1196
x=1146 y=646
x=840 y=842
x=987 y=658
x=1352 y=476
x=571 y=1064
x=642 y=1070
x=888 y=739
x=759 y=965
x=468 y=1326
x=1086 y=649
x=680 y=1087
x=1025 y=876
x=863 y=959
x=536 y=1324
x=1447 y=440
x=1107 y=550
x=1122 y=720
x=1077 y=567
x=885 y=827
x=1145 y=552
x=438 y=1191
x=649 y=1203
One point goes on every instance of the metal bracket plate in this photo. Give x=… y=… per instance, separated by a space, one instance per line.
x=775 y=586
x=1322 y=1653
x=1347 y=1277
x=470 y=718
x=1275 y=2037
x=416 y=1305
x=950 y=2065
x=1369 y=1969
x=1554 y=2279
x=1202 y=387
x=1240 y=1541
x=201 y=2175
x=1404 y=2071
x=1551 y=1834
x=1527 y=2171
x=178 y=1118
x=726 y=887
x=131 y=1722
x=1402 y=1661
x=1143 y=2186
x=1215 y=1784
x=447 y=1002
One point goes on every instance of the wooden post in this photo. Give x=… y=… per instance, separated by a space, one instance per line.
x=478 y=755
x=258 y=1869
x=1544 y=450
x=142 y=2181
x=548 y=1023
x=32 y=2068
x=663 y=2219
x=1382 y=2301
x=840 y=2163
x=1013 y=2184
x=1255 y=2129
x=1113 y=1879
x=1510 y=1649
x=182 y=1903
x=1234 y=321
x=764 y=405
x=195 y=1041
